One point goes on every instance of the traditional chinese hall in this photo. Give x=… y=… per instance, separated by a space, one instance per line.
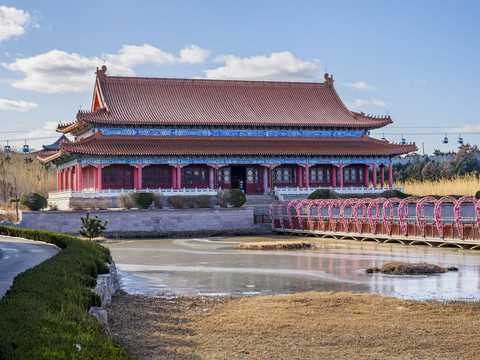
x=185 y=135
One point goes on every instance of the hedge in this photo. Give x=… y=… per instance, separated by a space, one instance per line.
x=44 y=315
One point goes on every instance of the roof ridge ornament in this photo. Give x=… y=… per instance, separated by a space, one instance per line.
x=102 y=73
x=328 y=79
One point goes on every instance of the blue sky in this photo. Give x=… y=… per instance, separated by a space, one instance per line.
x=417 y=61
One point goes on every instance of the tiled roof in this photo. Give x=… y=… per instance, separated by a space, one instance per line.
x=45 y=156
x=154 y=101
x=56 y=144
x=233 y=146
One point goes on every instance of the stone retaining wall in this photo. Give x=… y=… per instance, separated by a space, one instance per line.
x=164 y=220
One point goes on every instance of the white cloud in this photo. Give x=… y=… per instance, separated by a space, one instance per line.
x=466 y=129
x=132 y=55
x=418 y=82
x=12 y=22
x=193 y=54
x=358 y=103
x=359 y=85
x=16 y=105
x=59 y=72
x=55 y=72
x=278 y=66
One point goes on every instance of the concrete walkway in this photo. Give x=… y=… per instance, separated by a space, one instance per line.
x=18 y=255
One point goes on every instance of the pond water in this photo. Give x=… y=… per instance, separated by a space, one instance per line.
x=212 y=267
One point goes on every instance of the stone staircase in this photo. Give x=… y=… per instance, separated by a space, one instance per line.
x=259 y=200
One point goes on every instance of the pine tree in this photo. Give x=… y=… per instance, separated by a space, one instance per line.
x=91 y=227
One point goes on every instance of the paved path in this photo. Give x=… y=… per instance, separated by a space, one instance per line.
x=18 y=255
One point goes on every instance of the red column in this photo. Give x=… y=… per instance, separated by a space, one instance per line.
x=216 y=176
x=139 y=175
x=59 y=180
x=374 y=178
x=265 y=180
x=99 y=178
x=299 y=176
x=135 y=178
x=382 y=176
x=307 y=176
x=72 y=187
x=334 y=176
x=174 y=177
x=179 y=176
x=271 y=178
x=64 y=179
x=80 y=177
x=390 y=175
x=365 y=176
x=341 y=175
x=211 y=178
x=95 y=177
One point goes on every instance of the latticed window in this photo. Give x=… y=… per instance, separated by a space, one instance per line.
x=346 y=175
x=226 y=176
x=354 y=174
x=360 y=174
x=283 y=175
x=313 y=175
x=194 y=176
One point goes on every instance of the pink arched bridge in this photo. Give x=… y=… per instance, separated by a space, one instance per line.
x=441 y=222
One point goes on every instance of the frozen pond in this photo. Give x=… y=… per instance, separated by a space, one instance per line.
x=212 y=267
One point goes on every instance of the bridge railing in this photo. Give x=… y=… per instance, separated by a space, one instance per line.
x=419 y=217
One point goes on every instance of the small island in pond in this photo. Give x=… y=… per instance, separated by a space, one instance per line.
x=403 y=268
x=274 y=245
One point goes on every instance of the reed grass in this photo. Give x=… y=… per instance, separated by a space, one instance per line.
x=460 y=185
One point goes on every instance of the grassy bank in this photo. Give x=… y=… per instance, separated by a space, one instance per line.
x=299 y=326
x=44 y=315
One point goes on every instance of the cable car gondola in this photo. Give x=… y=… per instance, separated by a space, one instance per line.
x=403 y=140
x=26 y=148
x=445 y=140
x=8 y=148
x=383 y=138
x=460 y=140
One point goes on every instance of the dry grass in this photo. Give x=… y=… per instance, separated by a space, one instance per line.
x=274 y=245
x=463 y=186
x=300 y=326
x=403 y=268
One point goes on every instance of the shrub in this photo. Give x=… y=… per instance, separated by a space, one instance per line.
x=224 y=198
x=176 y=201
x=85 y=204
x=158 y=200
x=45 y=311
x=477 y=194
x=11 y=201
x=190 y=201
x=394 y=193
x=126 y=200
x=91 y=227
x=144 y=199
x=320 y=194
x=34 y=201
x=203 y=201
x=238 y=197
x=76 y=204
x=10 y=216
x=102 y=204
x=53 y=206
